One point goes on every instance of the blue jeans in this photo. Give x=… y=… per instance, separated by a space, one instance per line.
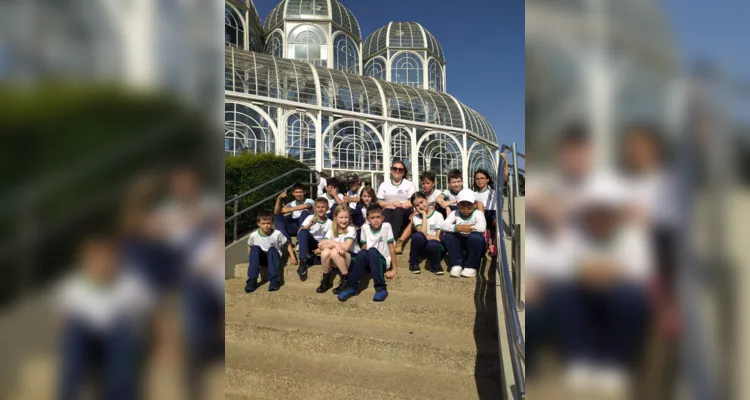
x=422 y=248
x=258 y=257
x=372 y=262
x=287 y=225
x=472 y=244
x=112 y=353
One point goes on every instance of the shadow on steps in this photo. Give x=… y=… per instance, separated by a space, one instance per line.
x=487 y=370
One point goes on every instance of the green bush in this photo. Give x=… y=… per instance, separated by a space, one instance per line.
x=99 y=137
x=246 y=171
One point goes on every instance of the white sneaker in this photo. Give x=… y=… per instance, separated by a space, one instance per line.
x=611 y=381
x=579 y=377
x=455 y=271
x=469 y=272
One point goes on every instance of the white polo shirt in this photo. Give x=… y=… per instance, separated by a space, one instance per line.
x=378 y=239
x=351 y=193
x=401 y=192
x=350 y=233
x=319 y=229
x=275 y=240
x=295 y=203
x=449 y=195
x=332 y=201
x=454 y=219
x=432 y=198
x=487 y=195
x=434 y=222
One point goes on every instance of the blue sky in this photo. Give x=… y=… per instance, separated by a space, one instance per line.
x=483 y=45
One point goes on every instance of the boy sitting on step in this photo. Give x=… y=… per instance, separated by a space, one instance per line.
x=296 y=212
x=447 y=200
x=333 y=196
x=378 y=256
x=463 y=232
x=264 y=248
x=312 y=231
x=426 y=240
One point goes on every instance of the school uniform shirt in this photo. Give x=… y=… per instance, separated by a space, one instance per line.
x=487 y=198
x=378 y=240
x=434 y=222
x=432 y=198
x=454 y=219
x=127 y=299
x=449 y=195
x=295 y=203
x=350 y=233
x=332 y=201
x=630 y=247
x=322 y=187
x=352 y=193
x=401 y=192
x=319 y=229
x=275 y=240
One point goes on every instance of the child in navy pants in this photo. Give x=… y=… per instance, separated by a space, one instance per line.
x=463 y=233
x=264 y=249
x=296 y=211
x=425 y=242
x=377 y=255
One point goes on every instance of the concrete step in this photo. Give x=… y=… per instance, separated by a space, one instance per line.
x=262 y=371
x=450 y=312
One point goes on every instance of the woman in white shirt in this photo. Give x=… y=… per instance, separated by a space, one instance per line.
x=394 y=196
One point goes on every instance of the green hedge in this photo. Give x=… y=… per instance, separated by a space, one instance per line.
x=51 y=131
x=246 y=171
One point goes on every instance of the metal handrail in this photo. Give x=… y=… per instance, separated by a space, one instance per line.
x=236 y=200
x=513 y=324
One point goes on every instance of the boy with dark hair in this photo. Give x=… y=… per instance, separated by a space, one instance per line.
x=377 y=256
x=428 y=179
x=312 y=231
x=297 y=211
x=264 y=248
x=333 y=197
x=447 y=200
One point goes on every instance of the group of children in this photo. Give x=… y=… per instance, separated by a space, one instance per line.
x=349 y=232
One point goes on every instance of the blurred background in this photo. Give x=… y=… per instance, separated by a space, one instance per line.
x=111 y=238
x=637 y=199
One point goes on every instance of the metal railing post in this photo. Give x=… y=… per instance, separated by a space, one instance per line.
x=515 y=169
x=234 y=223
x=511 y=203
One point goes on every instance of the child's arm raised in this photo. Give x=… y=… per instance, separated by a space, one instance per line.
x=277 y=208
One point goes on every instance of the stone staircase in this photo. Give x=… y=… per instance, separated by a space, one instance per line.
x=435 y=337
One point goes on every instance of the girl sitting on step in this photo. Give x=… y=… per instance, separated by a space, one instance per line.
x=339 y=247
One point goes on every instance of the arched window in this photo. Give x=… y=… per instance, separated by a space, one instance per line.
x=308 y=43
x=401 y=145
x=246 y=131
x=345 y=54
x=234 y=31
x=352 y=146
x=436 y=75
x=300 y=138
x=481 y=158
x=406 y=69
x=275 y=45
x=440 y=153
x=376 y=68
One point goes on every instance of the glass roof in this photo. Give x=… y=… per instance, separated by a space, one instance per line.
x=295 y=81
x=402 y=35
x=316 y=10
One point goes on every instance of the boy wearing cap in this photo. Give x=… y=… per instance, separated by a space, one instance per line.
x=463 y=232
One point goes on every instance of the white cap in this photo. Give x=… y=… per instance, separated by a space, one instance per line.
x=605 y=190
x=466 y=195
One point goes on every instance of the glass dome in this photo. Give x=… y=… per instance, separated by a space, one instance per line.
x=402 y=35
x=317 y=10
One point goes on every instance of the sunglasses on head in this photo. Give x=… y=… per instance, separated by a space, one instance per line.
x=397 y=169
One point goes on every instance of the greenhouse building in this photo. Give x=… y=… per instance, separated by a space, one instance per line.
x=305 y=84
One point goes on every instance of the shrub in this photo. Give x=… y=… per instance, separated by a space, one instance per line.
x=246 y=171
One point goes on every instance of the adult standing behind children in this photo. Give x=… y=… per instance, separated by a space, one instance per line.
x=394 y=196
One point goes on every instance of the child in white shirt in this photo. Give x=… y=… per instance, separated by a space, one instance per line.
x=296 y=211
x=426 y=240
x=264 y=248
x=463 y=232
x=312 y=231
x=339 y=246
x=378 y=256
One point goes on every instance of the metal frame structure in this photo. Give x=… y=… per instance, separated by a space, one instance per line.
x=348 y=114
